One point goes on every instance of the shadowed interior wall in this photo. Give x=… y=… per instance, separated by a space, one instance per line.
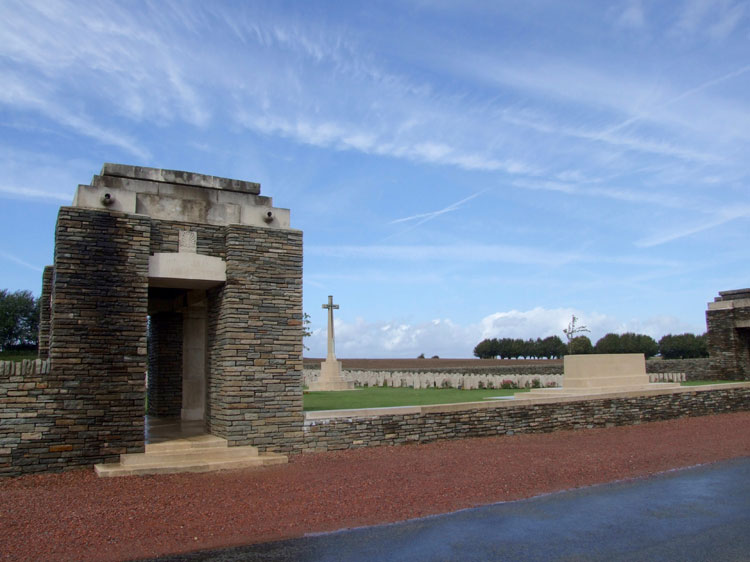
x=165 y=364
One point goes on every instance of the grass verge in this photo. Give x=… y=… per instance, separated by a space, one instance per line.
x=17 y=355
x=383 y=397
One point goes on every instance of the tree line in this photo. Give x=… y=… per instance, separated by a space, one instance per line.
x=19 y=320
x=682 y=346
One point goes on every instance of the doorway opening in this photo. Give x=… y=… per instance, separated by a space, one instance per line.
x=177 y=364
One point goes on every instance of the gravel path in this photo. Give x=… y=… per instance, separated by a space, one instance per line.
x=76 y=516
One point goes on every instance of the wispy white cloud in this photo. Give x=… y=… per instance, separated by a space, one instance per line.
x=632 y=15
x=423 y=218
x=19 y=261
x=717 y=19
x=639 y=197
x=16 y=192
x=456 y=253
x=679 y=97
x=721 y=217
x=728 y=21
x=25 y=96
x=484 y=253
x=350 y=136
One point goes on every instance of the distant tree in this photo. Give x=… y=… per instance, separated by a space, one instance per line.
x=580 y=345
x=420 y=356
x=683 y=346
x=19 y=319
x=486 y=349
x=435 y=357
x=552 y=347
x=574 y=329
x=639 y=343
x=627 y=343
x=610 y=343
x=306 y=331
x=504 y=348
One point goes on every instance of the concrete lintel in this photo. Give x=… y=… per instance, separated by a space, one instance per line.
x=186 y=270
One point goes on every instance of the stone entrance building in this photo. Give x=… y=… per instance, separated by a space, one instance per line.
x=728 y=321
x=193 y=279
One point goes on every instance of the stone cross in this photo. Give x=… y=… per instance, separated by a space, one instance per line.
x=331 y=344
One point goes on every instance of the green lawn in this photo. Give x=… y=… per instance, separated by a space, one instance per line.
x=699 y=383
x=17 y=355
x=382 y=397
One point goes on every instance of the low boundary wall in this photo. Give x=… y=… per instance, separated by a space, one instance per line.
x=332 y=430
x=522 y=376
x=29 y=440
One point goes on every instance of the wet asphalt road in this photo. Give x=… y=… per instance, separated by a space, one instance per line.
x=694 y=514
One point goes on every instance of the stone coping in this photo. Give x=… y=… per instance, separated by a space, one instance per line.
x=458 y=407
x=179 y=177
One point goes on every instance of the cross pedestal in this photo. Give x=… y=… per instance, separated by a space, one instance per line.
x=330 y=378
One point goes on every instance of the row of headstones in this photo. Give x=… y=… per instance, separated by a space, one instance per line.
x=25 y=367
x=667 y=377
x=420 y=380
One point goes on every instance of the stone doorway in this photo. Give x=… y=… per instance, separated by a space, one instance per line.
x=743 y=345
x=177 y=380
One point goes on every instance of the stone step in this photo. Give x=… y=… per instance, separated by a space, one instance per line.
x=586 y=391
x=197 y=442
x=210 y=454
x=199 y=453
x=194 y=465
x=605 y=381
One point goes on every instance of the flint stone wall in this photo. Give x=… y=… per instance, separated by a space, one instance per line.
x=728 y=322
x=98 y=352
x=27 y=417
x=255 y=341
x=433 y=423
x=698 y=368
x=45 y=311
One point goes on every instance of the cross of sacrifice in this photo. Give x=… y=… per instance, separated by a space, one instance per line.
x=331 y=345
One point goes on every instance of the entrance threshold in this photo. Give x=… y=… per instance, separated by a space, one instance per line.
x=173 y=445
x=159 y=430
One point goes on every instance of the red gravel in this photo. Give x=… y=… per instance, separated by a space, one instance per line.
x=76 y=516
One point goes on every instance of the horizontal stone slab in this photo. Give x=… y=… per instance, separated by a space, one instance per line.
x=179 y=177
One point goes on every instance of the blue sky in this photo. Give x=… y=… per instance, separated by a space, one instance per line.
x=460 y=170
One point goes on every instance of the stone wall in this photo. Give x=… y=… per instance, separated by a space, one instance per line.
x=45 y=311
x=165 y=364
x=694 y=369
x=432 y=423
x=27 y=417
x=660 y=370
x=728 y=322
x=255 y=341
x=165 y=237
x=98 y=346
